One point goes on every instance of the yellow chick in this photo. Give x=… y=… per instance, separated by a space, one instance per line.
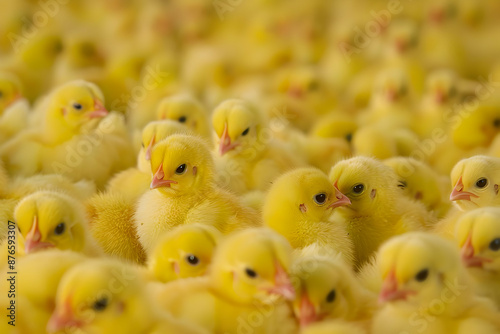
x=251 y=159
x=333 y=327
x=377 y=210
x=35 y=288
x=48 y=219
x=326 y=289
x=13 y=107
x=244 y=290
x=186 y=251
x=183 y=191
x=103 y=296
x=426 y=290
x=478 y=235
x=300 y=206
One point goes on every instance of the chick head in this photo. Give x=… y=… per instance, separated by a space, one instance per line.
x=325 y=289
x=10 y=90
x=185 y=110
x=403 y=35
x=184 y=252
x=49 y=219
x=335 y=126
x=478 y=235
x=475 y=182
x=181 y=164
x=391 y=86
x=478 y=127
x=416 y=268
x=238 y=126
x=83 y=51
x=367 y=182
x=97 y=296
x=441 y=86
x=77 y=102
x=253 y=266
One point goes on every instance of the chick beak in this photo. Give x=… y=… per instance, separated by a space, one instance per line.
x=33 y=239
x=390 y=291
x=225 y=142
x=62 y=320
x=296 y=92
x=308 y=313
x=282 y=284
x=99 y=109
x=391 y=94
x=468 y=257
x=341 y=199
x=149 y=150
x=17 y=96
x=176 y=268
x=158 y=180
x=440 y=96
x=459 y=194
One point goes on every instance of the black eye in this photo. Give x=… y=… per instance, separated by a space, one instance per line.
x=320 y=198
x=402 y=184
x=313 y=85
x=182 y=119
x=495 y=245
x=181 y=169
x=1 y=94
x=60 y=229
x=496 y=122
x=348 y=137
x=77 y=106
x=358 y=189
x=422 y=275
x=100 y=304
x=481 y=183
x=142 y=144
x=192 y=260
x=250 y=273
x=331 y=296
x=244 y=133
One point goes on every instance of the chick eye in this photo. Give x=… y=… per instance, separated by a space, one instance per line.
x=348 y=137
x=244 y=133
x=331 y=296
x=496 y=122
x=100 y=304
x=182 y=119
x=358 y=189
x=402 y=184
x=1 y=94
x=250 y=273
x=313 y=85
x=481 y=183
x=181 y=169
x=77 y=106
x=192 y=260
x=60 y=229
x=495 y=245
x=422 y=275
x=320 y=198
x=142 y=144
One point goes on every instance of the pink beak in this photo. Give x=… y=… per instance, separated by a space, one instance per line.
x=390 y=290
x=459 y=194
x=158 y=180
x=308 y=313
x=341 y=198
x=296 y=92
x=149 y=150
x=99 y=110
x=282 y=284
x=468 y=257
x=60 y=321
x=33 y=239
x=225 y=142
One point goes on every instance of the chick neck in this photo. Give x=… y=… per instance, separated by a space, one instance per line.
x=55 y=130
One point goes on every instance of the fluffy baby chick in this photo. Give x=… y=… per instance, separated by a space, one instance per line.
x=300 y=206
x=36 y=284
x=102 y=296
x=13 y=107
x=377 y=210
x=326 y=289
x=186 y=251
x=426 y=289
x=183 y=191
x=422 y=183
x=247 y=278
x=478 y=235
x=251 y=159
x=48 y=219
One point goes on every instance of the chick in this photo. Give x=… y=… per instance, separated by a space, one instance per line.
x=326 y=289
x=48 y=219
x=424 y=281
x=300 y=206
x=13 y=107
x=101 y=296
x=377 y=210
x=478 y=235
x=248 y=279
x=186 y=251
x=333 y=327
x=183 y=191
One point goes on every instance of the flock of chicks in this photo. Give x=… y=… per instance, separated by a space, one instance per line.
x=294 y=173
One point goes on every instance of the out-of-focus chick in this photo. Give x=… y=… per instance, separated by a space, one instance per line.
x=249 y=274
x=250 y=158
x=423 y=279
x=186 y=251
x=13 y=107
x=183 y=191
x=377 y=210
x=335 y=126
x=420 y=182
x=105 y=295
x=326 y=289
x=48 y=219
x=478 y=235
x=300 y=206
